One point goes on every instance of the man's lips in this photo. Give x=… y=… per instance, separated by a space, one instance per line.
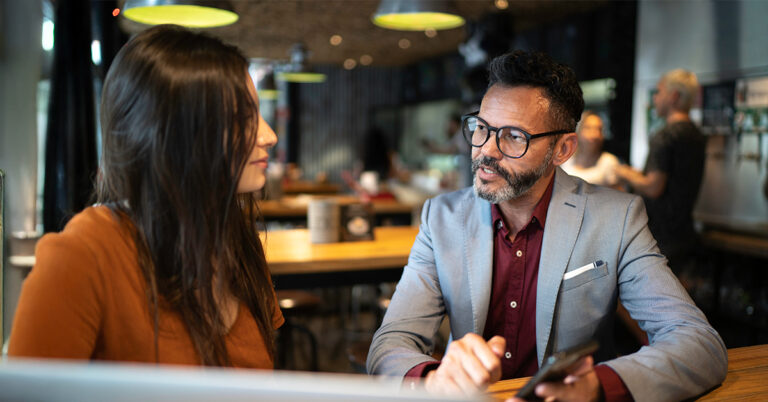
x=486 y=173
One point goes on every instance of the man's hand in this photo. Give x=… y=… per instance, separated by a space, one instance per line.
x=581 y=384
x=470 y=364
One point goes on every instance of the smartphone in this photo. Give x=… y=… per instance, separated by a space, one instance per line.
x=554 y=368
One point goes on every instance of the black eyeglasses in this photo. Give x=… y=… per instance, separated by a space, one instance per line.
x=512 y=141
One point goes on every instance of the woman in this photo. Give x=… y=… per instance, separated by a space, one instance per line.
x=168 y=267
x=590 y=162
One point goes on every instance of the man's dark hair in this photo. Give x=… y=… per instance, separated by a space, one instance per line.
x=538 y=70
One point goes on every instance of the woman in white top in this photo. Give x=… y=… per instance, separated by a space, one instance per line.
x=589 y=162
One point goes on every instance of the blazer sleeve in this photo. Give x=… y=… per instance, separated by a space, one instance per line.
x=60 y=307
x=685 y=356
x=405 y=338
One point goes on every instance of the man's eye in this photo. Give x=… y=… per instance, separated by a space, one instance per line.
x=513 y=136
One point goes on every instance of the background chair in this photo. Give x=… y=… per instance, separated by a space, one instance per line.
x=295 y=304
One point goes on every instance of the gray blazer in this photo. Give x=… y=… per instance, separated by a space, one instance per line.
x=449 y=274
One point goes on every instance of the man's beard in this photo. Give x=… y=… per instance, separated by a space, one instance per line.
x=518 y=184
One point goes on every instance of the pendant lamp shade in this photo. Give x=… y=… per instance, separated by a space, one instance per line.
x=262 y=74
x=298 y=70
x=188 y=13
x=417 y=15
x=266 y=87
x=303 y=77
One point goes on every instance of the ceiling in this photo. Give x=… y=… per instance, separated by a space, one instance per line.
x=268 y=28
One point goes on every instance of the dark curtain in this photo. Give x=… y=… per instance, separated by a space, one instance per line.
x=107 y=31
x=70 y=149
x=293 y=127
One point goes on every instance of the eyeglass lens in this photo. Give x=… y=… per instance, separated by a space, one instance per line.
x=511 y=142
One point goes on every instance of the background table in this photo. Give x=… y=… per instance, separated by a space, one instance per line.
x=310 y=187
x=747 y=378
x=295 y=262
x=294 y=208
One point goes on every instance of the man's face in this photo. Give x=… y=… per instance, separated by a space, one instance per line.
x=498 y=178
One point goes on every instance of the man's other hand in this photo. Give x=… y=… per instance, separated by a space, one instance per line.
x=470 y=364
x=581 y=384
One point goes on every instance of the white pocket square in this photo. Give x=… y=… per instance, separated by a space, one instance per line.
x=581 y=270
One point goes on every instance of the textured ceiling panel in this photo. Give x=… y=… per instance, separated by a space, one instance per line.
x=268 y=28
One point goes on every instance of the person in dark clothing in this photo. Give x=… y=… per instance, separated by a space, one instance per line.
x=377 y=153
x=673 y=171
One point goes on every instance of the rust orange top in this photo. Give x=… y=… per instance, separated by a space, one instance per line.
x=86 y=298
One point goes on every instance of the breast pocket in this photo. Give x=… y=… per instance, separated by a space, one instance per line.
x=587 y=273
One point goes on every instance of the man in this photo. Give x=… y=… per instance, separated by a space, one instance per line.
x=532 y=262
x=590 y=163
x=673 y=171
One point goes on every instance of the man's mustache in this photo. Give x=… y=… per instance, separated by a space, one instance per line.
x=492 y=164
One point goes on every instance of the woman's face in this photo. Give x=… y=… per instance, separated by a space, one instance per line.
x=591 y=131
x=254 y=175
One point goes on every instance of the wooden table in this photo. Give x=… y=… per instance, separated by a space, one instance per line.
x=296 y=206
x=310 y=187
x=295 y=262
x=747 y=378
x=738 y=243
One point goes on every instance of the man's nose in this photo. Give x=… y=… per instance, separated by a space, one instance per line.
x=490 y=149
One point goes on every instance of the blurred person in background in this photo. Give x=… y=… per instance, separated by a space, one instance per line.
x=456 y=146
x=168 y=267
x=674 y=168
x=590 y=162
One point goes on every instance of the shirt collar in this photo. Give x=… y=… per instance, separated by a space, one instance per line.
x=539 y=211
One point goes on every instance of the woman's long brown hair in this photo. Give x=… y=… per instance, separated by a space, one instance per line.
x=178 y=128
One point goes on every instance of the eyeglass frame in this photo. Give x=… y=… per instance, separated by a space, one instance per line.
x=491 y=129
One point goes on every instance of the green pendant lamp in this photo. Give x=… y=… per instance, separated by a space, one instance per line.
x=417 y=15
x=266 y=87
x=188 y=13
x=298 y=70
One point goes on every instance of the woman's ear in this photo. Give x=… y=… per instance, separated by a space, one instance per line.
x=564 y=148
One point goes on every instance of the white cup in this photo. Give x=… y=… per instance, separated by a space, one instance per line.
x=323 y=220
x=369 y=181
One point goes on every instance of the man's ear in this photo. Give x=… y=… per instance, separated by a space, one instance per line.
x=565 y=147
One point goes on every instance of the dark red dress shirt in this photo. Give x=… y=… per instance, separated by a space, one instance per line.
x=512 y=308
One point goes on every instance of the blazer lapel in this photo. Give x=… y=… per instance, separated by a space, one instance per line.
x=564 y=216
x=478 y=257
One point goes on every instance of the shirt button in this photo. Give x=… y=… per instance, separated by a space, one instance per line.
x=519 y=253
x=513 y=304
x=508 y=355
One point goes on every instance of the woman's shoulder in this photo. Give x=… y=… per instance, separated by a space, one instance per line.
x=96 y=216
x=607 y=158
x=92 y=232
x=96 y=223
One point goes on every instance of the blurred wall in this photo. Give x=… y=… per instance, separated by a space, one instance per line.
x=20 y=60
x=336 y=115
